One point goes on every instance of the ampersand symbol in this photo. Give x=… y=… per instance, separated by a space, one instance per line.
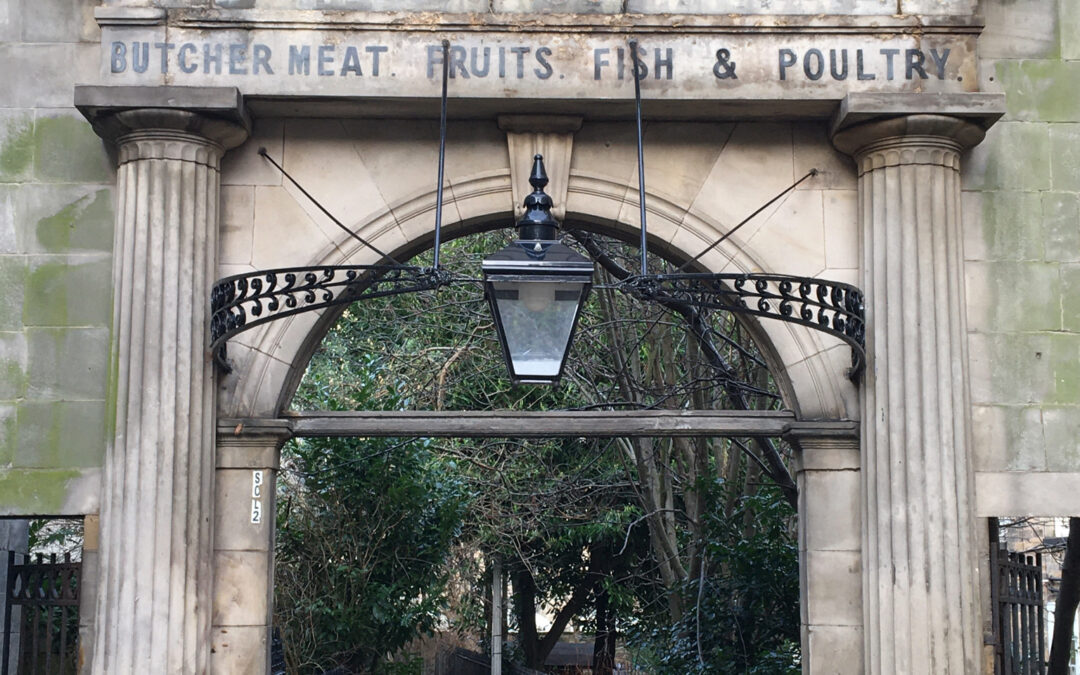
x=724 y=69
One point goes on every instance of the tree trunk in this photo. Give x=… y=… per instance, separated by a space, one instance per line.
x=525 y=596
x=604 y=645
x=1067 y=600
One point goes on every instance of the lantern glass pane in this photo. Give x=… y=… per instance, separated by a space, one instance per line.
x=537 y=318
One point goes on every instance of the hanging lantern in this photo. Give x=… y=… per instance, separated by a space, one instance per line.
x=537 y=287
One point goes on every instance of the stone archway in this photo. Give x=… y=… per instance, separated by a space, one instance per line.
x=270 y=361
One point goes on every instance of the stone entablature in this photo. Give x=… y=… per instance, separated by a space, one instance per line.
x=398 y=56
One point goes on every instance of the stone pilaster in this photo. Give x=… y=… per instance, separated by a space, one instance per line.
x=827 y=473
x=243 y=551
x=920 y=595
x=154 y=591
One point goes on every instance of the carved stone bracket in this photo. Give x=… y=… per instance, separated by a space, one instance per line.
x=549 y=135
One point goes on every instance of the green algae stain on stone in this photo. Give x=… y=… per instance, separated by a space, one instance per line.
x=16 y=147
x=61 y=292
x=35 y=491
x=60 y=434
x=1065 y=366
x=8 y=430
x=66 y=149
x=85 y=224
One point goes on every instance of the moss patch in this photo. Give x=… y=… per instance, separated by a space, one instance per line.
x=66 y=149
x=1040 y=90
x=16 y=147
x=63 y=292
x=35 y=491
x=8 y=429
x=84 y=224
x=13 y=271
x=60 y=434
x=1014 y=156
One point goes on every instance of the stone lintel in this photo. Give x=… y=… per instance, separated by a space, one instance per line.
x=130 y=16
x=101 y=105
x=981 y=109
x=1033 y=493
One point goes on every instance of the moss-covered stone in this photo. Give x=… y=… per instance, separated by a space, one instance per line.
x=68 y=292
x=13 y=271
x=67 y=150
x=66 y=363
x=8 y=417
x=1012 y=225
x=60 y=434
x=1014 y=156
x=85 y=224
x=13 y=365
x=1041 y=90
x=35 y=491
x=16 y=145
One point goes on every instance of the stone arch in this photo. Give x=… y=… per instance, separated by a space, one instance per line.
x=269 y=361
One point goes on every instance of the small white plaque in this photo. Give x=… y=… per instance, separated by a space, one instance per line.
x=256 y=484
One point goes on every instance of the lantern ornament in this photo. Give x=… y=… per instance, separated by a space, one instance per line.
x=536 y=287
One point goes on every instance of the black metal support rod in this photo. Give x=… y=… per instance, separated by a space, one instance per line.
x=442 y=151
x=266 y=155
x=811 y=172
x=640 y=157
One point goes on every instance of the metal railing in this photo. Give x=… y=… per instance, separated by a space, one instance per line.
x=43 y=607
x=1017 y=598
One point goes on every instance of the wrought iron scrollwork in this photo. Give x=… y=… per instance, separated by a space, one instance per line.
x=244 y=301
x=829 y=306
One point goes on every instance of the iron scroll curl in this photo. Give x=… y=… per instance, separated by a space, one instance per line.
x=244 y=301
x=832 y=307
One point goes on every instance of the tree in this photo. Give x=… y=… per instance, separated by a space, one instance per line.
x=364 y=529
x=608 y=533
x=1061 y=647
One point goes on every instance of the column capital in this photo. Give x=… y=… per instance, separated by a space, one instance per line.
x=930 y=131
x=214 y=116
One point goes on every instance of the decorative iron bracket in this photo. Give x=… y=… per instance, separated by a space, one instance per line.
x=244 y=301
x=832 y=307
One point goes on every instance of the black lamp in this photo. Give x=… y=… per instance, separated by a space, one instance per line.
x=537 y=287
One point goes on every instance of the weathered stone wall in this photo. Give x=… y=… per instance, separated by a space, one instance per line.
x=864 y=7
x=1022 y=245
x=1022 y=211
x=56 y=223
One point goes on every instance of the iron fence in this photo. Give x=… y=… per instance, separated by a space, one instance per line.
x=1016 y=590
x=43 y=608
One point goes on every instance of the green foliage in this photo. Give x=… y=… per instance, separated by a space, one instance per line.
x=747 y=614
x=547 y=508
x=364 y=529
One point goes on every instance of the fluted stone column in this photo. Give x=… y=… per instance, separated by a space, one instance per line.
x=920 y=594
x=155 y=585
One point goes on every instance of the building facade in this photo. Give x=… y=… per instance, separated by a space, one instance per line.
x=946 y=136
